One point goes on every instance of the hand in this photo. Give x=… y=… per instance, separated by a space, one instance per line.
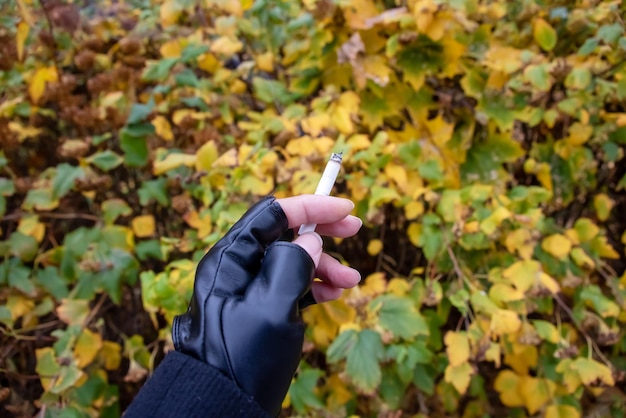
x=244 y=316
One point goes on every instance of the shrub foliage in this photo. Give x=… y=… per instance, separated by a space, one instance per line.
x=484 y=149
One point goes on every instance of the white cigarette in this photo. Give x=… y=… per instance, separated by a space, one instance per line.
x=325 y=184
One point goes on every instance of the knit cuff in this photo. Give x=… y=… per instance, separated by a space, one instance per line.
x=182 y=386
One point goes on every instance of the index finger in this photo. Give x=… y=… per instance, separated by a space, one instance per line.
x=314 y=209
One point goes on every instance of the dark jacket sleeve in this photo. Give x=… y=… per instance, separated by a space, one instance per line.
x=182 y=386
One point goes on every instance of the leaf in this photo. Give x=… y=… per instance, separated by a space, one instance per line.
x=536 y=392
x=586 y=229
x=66 y=176
x=592 y=372
x=105 y=160
x=504 y=322
x=523 y=274
x=459 y=376
x=114 y=208
x=87 y=347
x=593 y=295
x=399 y=315
x=603 y=205
x=374 y=247
x=557 y=245
x=173 y=161
x=226 y=45
x=578 y=79
x=111 y=355
x=37 y=84
x=23 y=246
x=303 y=391
x=546 y=331
x=271 y=91
x=561 y=411
x=154 y=190
x=20 y=39
x=544 y=35
x=457 y=348
x=47 y=367
x=507 y=385
x=73 y=311
x=362 y=350
x=134 y=146
x=163 y=128
x=143 y=226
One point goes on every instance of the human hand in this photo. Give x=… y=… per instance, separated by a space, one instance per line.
x=244 y=316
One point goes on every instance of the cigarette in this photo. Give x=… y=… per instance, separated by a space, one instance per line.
x=325 y=184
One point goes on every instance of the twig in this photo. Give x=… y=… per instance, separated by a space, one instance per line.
x=95 y=310
x=17 y=215
x=55 y=50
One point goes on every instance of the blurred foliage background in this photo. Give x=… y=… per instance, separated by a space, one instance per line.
x=484 y=149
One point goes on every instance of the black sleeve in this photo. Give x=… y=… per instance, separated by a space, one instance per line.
x=182 y=386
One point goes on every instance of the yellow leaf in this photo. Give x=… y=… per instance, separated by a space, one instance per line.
x=523 y=274
x=586 y=229
x=265 y=62
x=440 y=131
x=325 y=320
x=546 y=281
x=170 y=11
x=579 y=134
x=397 y=174
x=494 y=354
x=30 y=225
x=20 y=38
x=341 y=112
x=24 y=132
x=493 y=221
x=571 y=378
x=302 y=146
x=257 y=186
x=521 y=357
x=521 y=241
x=544 y=34
x=505 y=321
x=226 y=45
x=203 y=223
x=503 y=58
x=111 y=355
x=143 y=226
x=501 y=292
x=459 y=376
x=374 y=284
x=172 y=49
x=592 y=372
x=358 y=142
x=173 y=161
x=600 y=245
x=87 y=347
x=535 y=392
x=206 y=155
x=338 y=393
x=163 y=128
x=507 y=385
x=73 y=311
x=358 y=12
x=19 y=306
x=398 y=286
x=413 y=209
x=457 y=347
x=557 y=245
x=374 y=247
x=315 y=124
x=208 y=63
x=414 y=232
x=561 y=411
x=603 y=205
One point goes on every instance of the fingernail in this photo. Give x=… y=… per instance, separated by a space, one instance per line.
x=358 y=219
x=319 y=238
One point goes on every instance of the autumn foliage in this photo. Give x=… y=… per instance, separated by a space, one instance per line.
x=483 y=146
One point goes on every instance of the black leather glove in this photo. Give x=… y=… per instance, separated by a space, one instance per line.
x=244 y=316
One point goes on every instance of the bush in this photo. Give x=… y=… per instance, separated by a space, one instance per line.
x=484 y=149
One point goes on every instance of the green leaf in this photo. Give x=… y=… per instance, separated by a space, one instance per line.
x=431 y=170
x=149 y=249
x=186 y=78
x=114 y=208
x=423 y=378
x=588 y=46
x=193 y=51
x=23 y=246
x=362 y=350
x=399 y=315
x=544 y=35
x=538 y=76
x=16 y=275
x=600 y=303
x=195 y=102
x=87 y=393
x=431 y=241
x=159 y=70
x=272 y=91
x=52 y=282
x=134 y=146
x=64 y=179
x=578 y=78
x=105 y=160
x=610 y=33
x=392 y=388
x=3 y=160
x=154 y=190
x=302 y=391
x=139 y=112
x=7 y=188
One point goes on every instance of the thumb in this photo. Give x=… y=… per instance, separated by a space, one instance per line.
x=312 y=243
